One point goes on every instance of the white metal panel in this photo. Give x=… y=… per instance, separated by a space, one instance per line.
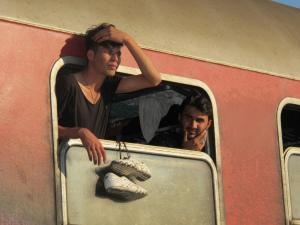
x=292 y=159
x=182 y=190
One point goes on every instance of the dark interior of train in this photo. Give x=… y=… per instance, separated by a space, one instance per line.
x=139 y=116
x=290 y=125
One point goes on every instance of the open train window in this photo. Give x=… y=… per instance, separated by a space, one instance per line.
x=77 y=180
x=141 y=116
x=289 y=139
x=138 y=117
x=290 y=125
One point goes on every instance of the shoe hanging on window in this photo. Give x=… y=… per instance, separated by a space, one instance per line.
x=122 y=187
x=131 y=168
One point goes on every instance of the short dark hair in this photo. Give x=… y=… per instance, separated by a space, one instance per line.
x=199 y=101
x=92 y=31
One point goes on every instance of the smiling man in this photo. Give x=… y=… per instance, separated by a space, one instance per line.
x=195 y=118
x=84 y=98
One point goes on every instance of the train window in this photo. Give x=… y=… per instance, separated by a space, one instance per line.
x=145 y=116
x=141 y=116
x=80 y=183
x=290 y=125
x=289 y=139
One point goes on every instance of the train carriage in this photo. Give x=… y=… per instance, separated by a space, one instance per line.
x=244 y=55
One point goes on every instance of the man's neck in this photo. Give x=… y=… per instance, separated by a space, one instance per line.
x=92 y=79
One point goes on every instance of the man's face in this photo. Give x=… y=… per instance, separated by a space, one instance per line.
x=194 y=122
x=105 y=60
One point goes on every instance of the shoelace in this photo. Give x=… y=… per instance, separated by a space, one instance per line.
x=120 y=150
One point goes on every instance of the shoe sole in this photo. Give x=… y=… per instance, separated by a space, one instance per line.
x=126 y=170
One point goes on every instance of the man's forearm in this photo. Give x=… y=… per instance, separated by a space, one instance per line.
x=69 y=132
x=93 y=146
x=147 y=68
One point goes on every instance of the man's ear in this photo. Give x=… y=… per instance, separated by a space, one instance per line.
x=90 y=54
x=209 y=124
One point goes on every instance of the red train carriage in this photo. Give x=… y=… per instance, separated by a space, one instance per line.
x=243 y=54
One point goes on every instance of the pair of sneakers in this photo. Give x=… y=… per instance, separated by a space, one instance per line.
x=119 y=181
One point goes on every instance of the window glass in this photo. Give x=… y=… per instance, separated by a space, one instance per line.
x=87 y=202
x=290 y=125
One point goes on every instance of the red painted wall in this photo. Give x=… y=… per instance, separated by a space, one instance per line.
x=26 y=156
x=247 y=104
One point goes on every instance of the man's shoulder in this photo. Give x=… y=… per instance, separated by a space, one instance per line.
x=110 y=84
x=66 y=80
x=65 y=85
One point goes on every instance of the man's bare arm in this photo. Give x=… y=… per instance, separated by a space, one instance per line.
x=150 y=76
x=93 y=146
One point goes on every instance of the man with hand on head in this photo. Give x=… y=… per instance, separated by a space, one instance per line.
x=84 y=98
x=195 y=118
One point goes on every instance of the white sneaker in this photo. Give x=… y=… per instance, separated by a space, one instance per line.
x=130 y=167
x=123 y=187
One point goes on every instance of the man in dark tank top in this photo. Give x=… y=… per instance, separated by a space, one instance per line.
x=84 y=98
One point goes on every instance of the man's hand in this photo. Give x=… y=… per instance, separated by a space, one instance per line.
x=197 y=143
x=93 y=146
x=112 y=34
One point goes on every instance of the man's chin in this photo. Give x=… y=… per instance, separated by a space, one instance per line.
x=110 y=73
x=191 y=136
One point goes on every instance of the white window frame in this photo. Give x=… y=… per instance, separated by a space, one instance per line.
x=59 y=177
x=284 y=162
